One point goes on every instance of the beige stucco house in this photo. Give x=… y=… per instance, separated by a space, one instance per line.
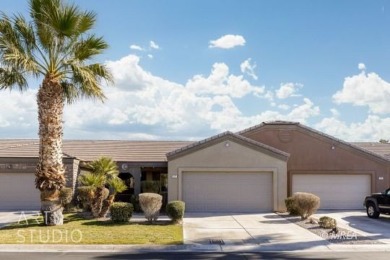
x=253 y=170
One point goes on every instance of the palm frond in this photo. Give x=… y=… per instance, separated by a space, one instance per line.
x=92 y=180
x=117 y=184
x=17 y=43
x=104 y=166
x=10 y=78
x=89 y=47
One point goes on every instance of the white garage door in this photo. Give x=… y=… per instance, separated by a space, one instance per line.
x=335 y=191
x=17 y=192
x=227 y=192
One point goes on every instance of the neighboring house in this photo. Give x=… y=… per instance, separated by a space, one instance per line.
x=253 y=170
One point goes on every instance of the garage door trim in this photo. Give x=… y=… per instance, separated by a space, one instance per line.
x=274 y=172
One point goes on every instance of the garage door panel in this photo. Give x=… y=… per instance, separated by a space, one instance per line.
x=227 y=191
x=336 y=191
x=18 y=192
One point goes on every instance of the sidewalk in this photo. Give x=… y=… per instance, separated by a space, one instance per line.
x=252 y=233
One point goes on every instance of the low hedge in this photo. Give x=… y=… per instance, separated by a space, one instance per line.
x=175 y=210
x=121 y=211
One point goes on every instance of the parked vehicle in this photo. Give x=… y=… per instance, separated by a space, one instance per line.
x=377 y=203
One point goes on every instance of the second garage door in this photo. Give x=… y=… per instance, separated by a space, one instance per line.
x=227 y=191
x=18 y=192
x=335 y=191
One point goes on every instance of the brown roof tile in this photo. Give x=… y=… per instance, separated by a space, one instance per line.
x=88 y=150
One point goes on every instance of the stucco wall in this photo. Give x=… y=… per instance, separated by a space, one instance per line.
x=219 y=156
x=314 y=153
x=28 y=165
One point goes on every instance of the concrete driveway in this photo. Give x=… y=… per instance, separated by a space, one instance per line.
x=265 y=230
x=357 y=221
x=7 y=217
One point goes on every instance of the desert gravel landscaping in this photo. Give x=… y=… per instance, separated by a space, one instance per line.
x=344 y=236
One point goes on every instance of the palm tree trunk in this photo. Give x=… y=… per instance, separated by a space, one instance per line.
x=50 y=169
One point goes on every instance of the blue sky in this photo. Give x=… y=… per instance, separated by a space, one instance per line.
x=191 y=69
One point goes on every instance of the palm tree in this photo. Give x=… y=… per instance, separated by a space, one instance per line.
x=103 y=183
x=57 y=46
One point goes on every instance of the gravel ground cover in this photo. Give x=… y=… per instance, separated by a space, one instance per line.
x=343 y=236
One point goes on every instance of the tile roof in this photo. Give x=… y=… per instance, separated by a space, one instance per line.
x=226 y=135
x=88 y=150
x=367 y=149
x=382 y=149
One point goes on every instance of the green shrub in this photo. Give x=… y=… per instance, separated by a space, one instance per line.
x=291 y=206
x=84 y=196
x=134 y=199
x=150 y=186
x=327 y=222
x=150 y=204
x=175 y=210
x=121 y=211
x=306 y=203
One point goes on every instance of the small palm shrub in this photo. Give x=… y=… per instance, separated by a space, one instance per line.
x=175 y=210
x=306 y=203
x=66 y=195
x=327 y=222
x=150 y=204
x=291 y=207
x=121 y=211
x=103 y=183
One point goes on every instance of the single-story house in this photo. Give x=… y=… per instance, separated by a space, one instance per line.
x=253 y=170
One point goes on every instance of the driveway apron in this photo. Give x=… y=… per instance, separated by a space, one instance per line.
x=267 y=229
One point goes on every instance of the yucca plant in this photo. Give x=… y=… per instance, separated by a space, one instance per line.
x=57 y=46
x=104 y=182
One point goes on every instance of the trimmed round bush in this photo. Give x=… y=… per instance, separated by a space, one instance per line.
x=121 y=212
x=150 y=204
x=175 y=210
x=327 y=222
x=291 y=207
x=306 y=203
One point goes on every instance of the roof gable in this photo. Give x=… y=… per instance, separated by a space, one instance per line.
x=360 y=149
x=228 y=136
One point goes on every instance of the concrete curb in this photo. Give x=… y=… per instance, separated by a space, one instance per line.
x=190 y=248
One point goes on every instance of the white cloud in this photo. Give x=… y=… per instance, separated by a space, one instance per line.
x=228 y=41
x=221 y=82
x=19 y=117
x=335 y=112
x=373 y=128
x=149 y=106
x=365 y=90
x=150 y=56
x=361 y=66
x=248 y=68
x=154 y=45
x=144 y=106
x=287 y=90
x=136 y=47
